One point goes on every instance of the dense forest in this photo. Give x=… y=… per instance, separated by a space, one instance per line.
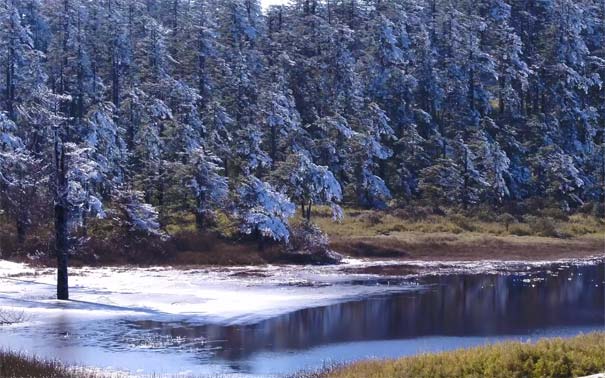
x=132 y=110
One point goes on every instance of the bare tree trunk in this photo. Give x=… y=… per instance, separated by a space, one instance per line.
x=309 y=211
x=10 y=73
x=61 y=224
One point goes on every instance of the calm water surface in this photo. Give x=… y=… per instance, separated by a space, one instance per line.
x=445 y=312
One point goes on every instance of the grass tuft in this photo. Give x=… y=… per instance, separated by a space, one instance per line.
x=19 y=365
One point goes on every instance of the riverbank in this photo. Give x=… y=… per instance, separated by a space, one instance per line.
x=394 y=234
x=468 y=247
x=554 y=358
x=452 y=237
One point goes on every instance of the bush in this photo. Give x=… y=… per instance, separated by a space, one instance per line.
x=11 y=317
x=543 y=226
x=599 y=210
x=310 y=245
x=486 y=214
x=596 y=209
x=507 y=219
x=413 y=213
x=555 y=213
x=519 y=230
x=463 y=222
x=372 y=217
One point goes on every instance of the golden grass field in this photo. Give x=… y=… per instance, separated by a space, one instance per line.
x=548 y=358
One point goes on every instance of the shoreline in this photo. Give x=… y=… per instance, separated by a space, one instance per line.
x=370 y=266
x=402 y=248
x=582 y=353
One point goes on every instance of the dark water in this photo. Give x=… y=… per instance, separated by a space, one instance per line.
x=448 y=312
x=558 y=301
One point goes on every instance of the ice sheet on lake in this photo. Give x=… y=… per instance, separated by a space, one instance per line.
x=240 y=294
x=221 y=295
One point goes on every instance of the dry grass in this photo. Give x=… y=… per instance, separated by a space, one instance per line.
x=17 y=365
x=453 y=236
x=412 y=233
x=552 y=358
x=372 y=223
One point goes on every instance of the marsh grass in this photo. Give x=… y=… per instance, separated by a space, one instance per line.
x=19 y=365
x=553 y=358
x=373 y=223
x=413 y=232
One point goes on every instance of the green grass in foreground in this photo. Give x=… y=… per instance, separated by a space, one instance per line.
x=549 y=358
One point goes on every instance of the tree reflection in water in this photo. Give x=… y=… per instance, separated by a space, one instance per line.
x=455 y=305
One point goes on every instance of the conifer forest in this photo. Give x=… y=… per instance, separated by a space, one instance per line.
x=264 y=188
x=140 y=107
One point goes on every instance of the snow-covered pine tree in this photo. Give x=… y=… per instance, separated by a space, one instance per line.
x=263 y=211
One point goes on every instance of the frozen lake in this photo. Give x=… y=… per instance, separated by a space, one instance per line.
x=272 y=321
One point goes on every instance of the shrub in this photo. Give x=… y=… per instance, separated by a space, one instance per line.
x=507 y=219
x=372 y=218
x=519 y=230
x=311 y=245
x=486 y=214
x=415 y=213
x=463 y=222
x=542 y=226
x=599 y=210
x=11 y=317
x=555 y=213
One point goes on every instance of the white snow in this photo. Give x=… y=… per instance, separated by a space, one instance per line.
x=225 y=295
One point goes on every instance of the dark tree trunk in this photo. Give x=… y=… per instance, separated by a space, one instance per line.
x=21 y=230
x=309 y=211
x=471 y=81
x=202 y=57
x=200 y=221
x=501 y=97
x=465 y=187
x=10 y=74
x=200 y=216
x=115 y=81
x=61 y=221
x=273 y=145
